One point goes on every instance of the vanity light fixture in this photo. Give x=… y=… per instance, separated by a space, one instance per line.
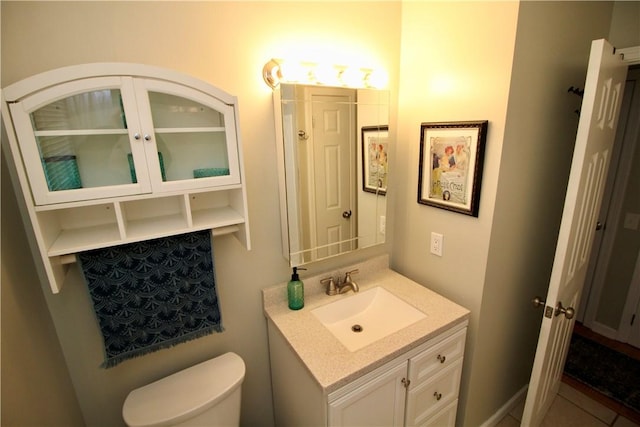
x=278 y=71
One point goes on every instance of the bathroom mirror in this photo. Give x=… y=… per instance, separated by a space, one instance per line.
x=332 y=149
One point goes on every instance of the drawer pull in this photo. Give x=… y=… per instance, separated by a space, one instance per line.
x=441 y=358
x=437 y=395
x=406 y=382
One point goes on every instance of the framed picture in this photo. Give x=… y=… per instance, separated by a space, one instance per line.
x=375 y=146
x=450 y=171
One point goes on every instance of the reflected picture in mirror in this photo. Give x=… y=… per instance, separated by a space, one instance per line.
x=329 y=203
x=375 y=159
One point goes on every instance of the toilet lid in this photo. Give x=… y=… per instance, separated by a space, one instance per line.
x=185 y=393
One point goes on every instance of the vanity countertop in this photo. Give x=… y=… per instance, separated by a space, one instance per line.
x=330 y=362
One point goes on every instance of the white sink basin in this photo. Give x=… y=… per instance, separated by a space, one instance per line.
x=365 y=317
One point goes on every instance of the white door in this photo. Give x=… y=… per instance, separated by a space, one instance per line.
x=594 y=141
x=334 y=155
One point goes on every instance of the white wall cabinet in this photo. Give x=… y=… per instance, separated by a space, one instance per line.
x=107 y=154
x=418 y=388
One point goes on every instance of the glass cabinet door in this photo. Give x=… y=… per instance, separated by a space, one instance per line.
x=116 y=136
x=78 y=145
x=194 y=137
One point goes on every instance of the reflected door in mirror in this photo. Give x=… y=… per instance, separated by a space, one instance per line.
x=326 y=208
x=333 y=176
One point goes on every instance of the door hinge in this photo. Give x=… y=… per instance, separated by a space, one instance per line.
x=633 y=319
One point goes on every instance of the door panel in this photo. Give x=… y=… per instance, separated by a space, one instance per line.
x=594 y=141
x=333 y=134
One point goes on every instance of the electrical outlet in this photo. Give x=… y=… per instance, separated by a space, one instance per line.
x=437 y=241
x=383 y=224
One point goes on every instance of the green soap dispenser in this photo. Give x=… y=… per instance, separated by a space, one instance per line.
x=295 y=290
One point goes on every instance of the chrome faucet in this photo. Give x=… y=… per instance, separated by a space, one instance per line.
x=342 y=286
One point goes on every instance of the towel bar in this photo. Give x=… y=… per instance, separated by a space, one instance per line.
x=221 y=231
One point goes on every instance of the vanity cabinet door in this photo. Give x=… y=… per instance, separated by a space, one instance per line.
x=78 y=140
x=189 y=137
x=377 y=402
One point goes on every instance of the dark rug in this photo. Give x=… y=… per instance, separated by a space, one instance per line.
x=612 y=373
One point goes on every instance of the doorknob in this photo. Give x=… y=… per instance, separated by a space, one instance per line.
x=569 y=312
x=346 y=214
x=537 y=302
x=599 y=226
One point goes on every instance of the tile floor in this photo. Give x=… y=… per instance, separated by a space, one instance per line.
x=572 y=408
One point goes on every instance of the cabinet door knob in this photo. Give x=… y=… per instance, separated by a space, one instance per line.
x=136 y=136
x=147 y=137
x=437 y=395
x=405 y=382
x=441 y=358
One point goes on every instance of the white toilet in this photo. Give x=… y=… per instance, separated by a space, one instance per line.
x=207 y=394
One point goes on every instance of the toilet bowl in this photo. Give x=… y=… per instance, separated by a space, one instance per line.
x=207 y=394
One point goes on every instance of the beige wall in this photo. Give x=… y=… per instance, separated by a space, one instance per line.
x=511 y=64
x=226 y=44
x=624 y=24
x=455 y=66
x=36 y=387
x=536 y=157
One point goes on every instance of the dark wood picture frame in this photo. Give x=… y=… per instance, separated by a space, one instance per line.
x=451 y=162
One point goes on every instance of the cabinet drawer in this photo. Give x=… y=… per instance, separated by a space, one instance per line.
x=442 y=355
x=429 y=397
x=445 y=418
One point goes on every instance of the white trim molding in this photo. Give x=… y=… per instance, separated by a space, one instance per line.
x=631 y=54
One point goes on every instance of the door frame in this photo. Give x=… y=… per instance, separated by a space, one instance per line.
x=611 y=214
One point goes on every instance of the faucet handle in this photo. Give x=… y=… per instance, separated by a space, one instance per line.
x=331 y=285
x=347 y=276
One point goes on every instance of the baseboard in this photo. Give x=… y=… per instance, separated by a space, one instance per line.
x=604 y=330
x=506 y=408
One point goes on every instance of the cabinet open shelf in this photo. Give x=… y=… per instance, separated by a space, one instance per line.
x=86 y=238
x=81 y=228
x=151 y=218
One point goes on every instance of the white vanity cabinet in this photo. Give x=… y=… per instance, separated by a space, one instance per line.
x=107 y=154
x=417 y=388
x=414 y=390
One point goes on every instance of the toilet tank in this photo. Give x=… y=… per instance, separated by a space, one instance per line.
x=205 y=394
